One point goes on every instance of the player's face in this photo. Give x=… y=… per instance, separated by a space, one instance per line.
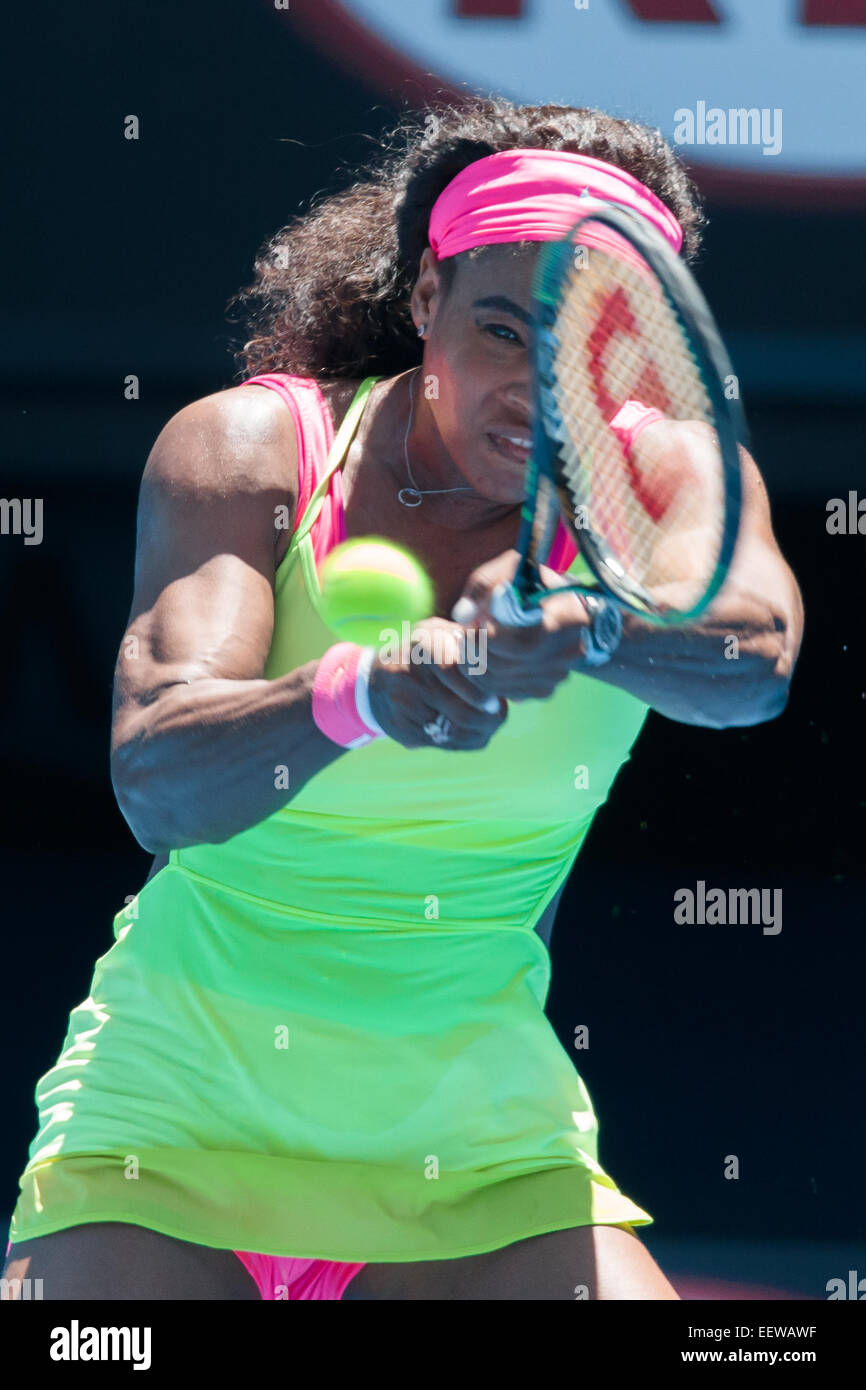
x=477 y=354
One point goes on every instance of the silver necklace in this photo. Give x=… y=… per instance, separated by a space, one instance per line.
x=406 y=494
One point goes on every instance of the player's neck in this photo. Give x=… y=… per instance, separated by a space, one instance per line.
x=382 y=449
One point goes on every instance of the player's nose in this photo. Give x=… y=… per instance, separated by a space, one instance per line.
x=516 y=400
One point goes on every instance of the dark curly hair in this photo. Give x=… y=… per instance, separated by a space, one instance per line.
x=331 y=292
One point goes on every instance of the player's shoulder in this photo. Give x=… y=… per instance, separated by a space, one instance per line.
x=253 y=415
x=246 y=415
x=240 y=437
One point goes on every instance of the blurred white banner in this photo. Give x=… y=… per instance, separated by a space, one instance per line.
x=759 y=96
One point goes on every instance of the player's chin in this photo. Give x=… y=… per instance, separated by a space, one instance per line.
x=494 y=477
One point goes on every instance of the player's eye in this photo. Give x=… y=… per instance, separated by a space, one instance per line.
x=503 y=333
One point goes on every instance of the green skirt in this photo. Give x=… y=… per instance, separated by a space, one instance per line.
x=251 y=1077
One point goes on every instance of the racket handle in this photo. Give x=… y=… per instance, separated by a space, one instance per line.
x=506 y=608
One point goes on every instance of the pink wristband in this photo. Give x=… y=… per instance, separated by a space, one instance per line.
x=335 y=708
x=630 y=419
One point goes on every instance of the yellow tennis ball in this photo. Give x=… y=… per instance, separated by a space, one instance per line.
x=369 y=585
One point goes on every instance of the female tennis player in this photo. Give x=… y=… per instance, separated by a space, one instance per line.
x=315 y=1063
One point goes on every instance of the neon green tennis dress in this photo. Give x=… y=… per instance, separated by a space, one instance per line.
x=325 y=1038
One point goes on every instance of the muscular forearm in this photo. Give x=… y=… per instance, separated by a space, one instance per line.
x=211 y=758
x=732 y=668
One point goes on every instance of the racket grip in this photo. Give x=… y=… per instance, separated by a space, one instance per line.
x=506 y=608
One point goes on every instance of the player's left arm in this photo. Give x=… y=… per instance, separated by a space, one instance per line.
x=734 y=665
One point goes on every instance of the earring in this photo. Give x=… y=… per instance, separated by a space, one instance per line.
x=422 y=329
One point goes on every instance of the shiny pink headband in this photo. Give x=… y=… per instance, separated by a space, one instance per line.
x=534 y=195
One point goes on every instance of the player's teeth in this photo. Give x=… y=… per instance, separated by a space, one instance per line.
x=521 y=443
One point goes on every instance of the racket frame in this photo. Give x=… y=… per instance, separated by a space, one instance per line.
x=537 y=529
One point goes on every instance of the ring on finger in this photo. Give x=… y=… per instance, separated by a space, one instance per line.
x=438 y=730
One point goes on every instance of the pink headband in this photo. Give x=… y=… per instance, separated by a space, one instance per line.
x=534 y=195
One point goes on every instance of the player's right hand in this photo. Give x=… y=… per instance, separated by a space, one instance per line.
x=407 y=690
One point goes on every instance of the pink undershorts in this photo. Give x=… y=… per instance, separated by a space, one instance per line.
x=283 y=1277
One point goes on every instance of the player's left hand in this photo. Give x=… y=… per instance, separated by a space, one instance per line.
x=521 y=663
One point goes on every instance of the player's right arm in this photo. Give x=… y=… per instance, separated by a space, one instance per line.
x=198 y=734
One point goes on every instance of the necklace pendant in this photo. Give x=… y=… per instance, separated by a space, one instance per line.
x=410 y=492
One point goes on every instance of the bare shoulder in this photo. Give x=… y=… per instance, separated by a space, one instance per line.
x=240 y=439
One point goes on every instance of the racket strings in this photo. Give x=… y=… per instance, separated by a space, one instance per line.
x=655 y=521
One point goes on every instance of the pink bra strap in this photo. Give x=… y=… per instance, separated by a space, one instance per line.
x=313 y=427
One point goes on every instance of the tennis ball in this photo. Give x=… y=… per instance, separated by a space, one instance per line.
x=371 y=584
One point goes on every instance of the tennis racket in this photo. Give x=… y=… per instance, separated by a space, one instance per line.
x=617 y=318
